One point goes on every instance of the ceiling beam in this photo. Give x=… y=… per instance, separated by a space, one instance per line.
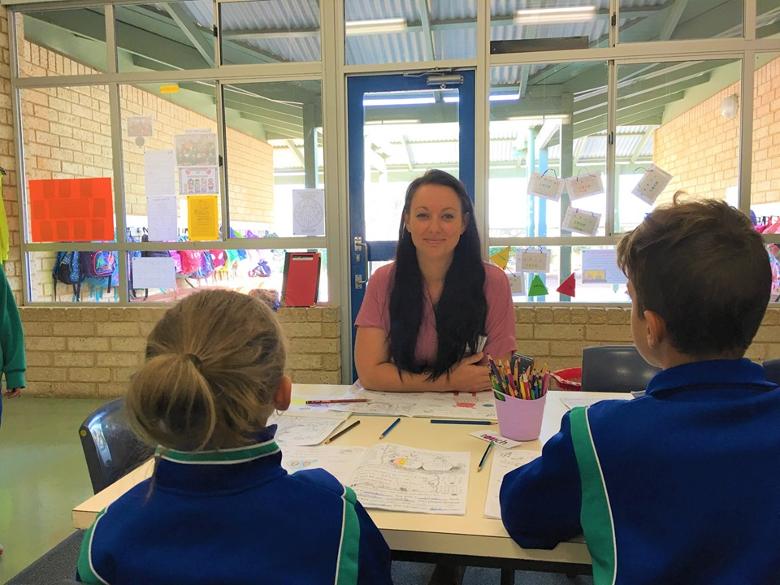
x=651 y=89
x=629 y=105
x=640 y=146
x=408 y=149
x=189 y=27
x=425 y=21
x=548 y=130
x=296 y=151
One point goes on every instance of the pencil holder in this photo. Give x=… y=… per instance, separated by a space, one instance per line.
x=520 y=420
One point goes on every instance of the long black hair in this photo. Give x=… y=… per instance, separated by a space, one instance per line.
x=462 y=308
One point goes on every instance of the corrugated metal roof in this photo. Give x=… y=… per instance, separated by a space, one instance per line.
x=453 y=9
x=269 y=14
x=380 y=9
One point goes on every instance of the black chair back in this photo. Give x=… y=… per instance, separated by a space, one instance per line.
x=615 y=368
x=110 y=446
x=772 y=370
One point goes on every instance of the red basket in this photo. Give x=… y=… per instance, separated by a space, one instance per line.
x=568 y=378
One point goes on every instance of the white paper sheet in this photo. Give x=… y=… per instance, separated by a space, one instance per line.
x=600 y=267
x=504 y=461
x=159 y=173
x=154 y=273
x=162 y=219
x=400 y=478
x=533 y=260
x=340 y=462
x=496 y=439
x=575 y=401
x=581 y=221
x=547 y=186
x=306 y=427
x=517 y=283
x=308 y=212
x=584 y=185
x=651 y=184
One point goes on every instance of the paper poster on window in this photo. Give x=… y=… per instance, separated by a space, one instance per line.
x=517 y=283
x=198 y=180
x=600 y=267
x=652 y=184
x=533 y=260
x=308 y=211
x=547 y=186
x=159 y=173
x=139 y=126
x=196 y=149
x=154 y=273
x=162 y=215
x=584 y=186
x=71 y=210
x=202 y=220
x=581 y=221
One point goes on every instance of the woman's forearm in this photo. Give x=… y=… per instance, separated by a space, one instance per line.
x=385 y=377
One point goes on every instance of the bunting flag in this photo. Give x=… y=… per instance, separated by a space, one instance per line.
x=568 y=286
x=537 y=288
x=501 y=258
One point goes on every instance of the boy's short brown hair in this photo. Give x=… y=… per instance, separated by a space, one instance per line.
x=702 y=267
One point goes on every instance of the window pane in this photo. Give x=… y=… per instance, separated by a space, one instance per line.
x=270 y=31
x=549 y=120
x=62 y=42
x=165 y=36
x=385 y=32
x=683 y=119
x=663 y=21
x=239 y=269
x=75 y=278
x=765 y=191
x=274 y=158
x=67 y=135
x=517 y=19
x=597 y=277
x=169 y=155
x=768 y=23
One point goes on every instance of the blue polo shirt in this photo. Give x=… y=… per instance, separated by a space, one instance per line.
x=235 y=516
x=679 y=486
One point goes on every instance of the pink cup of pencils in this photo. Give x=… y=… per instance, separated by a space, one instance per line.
x=519 y=419
x=520 y=395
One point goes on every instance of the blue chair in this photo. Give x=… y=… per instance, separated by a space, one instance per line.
x=615 y=368
x=111 y=448
x=772 y=370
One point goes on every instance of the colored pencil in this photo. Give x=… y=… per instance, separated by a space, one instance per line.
x=336 y=401
x=342 y=431
x=390 y=428
x=453 y=421
x=484 y=456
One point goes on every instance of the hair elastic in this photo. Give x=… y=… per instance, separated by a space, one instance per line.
x=197 y=362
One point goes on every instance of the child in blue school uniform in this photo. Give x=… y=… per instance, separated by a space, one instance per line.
x=219 y=507
x=681 y=486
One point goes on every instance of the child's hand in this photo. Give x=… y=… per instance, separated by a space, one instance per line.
x=13 y=392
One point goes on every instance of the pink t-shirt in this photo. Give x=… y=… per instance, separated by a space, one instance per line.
x=499 y=325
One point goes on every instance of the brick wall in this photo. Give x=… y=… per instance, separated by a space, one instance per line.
x=92 y=351
x=700 y=148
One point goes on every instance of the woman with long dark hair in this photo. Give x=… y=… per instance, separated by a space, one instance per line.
x=423 y=315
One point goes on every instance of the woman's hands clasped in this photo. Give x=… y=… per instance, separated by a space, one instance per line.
x=469 y=376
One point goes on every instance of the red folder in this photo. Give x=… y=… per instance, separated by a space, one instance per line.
x=301 y=279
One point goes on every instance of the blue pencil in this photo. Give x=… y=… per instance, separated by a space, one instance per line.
x=452 y=421
x=390 y=428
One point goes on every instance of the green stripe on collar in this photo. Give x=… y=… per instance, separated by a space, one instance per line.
x=220 y=456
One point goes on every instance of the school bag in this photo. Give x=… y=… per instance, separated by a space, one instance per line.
x=67 y=270
x=100 y=264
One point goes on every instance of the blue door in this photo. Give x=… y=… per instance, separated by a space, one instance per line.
x=398 y=127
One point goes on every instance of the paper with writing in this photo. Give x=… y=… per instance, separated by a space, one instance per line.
x=341 y=462
x=306 y=427
x=581 y=221
x=503 y=462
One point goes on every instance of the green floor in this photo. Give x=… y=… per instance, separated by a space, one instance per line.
x=42 y=476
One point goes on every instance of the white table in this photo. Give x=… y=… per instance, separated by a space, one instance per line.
x=483 y=540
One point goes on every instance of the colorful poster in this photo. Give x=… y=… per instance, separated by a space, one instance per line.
x=202 y=218
x=71 y=210
x=600 y=267
x=198 y=180
x=196 y=149
x=139 y=126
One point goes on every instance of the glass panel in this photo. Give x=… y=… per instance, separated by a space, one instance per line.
x=679 y=20
x=169 y=155
x=244 y=270
x=274 y=153
x=70 y=280
x=67 y=135
x=270 y=31
x=768 y=19
x=683 y=119
x=550 y=120
x=597 y=277
x=62 y=42
x=765 y=191
x=405 y=134
x=386 y=32
x=516 y=19
x=165 y=36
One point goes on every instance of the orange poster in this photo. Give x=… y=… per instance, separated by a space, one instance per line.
x=71 y=210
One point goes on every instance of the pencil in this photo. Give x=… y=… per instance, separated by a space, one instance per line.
x=453 y=421
x=342 y=431
x=390 y=428
x=336 y=401
x=484 y=456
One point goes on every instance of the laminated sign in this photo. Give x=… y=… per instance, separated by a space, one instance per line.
x=581 y=221
x=547 y=186
x=652 y=183
x=584 y=186
x=533 y=260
